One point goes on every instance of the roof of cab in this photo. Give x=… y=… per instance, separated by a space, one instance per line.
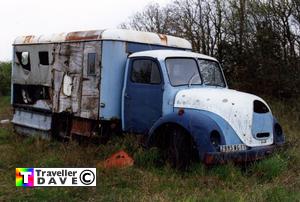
x=163 y=54
x=107 y=34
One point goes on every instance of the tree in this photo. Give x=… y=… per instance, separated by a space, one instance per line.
x=5 y=77
x=257 y=42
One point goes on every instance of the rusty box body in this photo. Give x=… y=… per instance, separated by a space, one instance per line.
x=70 y=82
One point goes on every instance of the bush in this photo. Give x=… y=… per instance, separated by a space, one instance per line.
x=5 y=77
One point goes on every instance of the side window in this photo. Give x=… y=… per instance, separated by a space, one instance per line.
x=24 y=59
x=91 y=68
x=44 y=57
x=145 y=71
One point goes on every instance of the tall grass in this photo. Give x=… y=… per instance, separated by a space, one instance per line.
x=276 y=178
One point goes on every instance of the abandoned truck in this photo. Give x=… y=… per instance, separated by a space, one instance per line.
x=91 y=83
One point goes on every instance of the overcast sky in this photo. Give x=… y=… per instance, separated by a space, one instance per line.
x=35 y=17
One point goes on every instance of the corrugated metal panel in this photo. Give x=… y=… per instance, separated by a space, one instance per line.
x=109 y=34
x=71 y=61
x=32 y=120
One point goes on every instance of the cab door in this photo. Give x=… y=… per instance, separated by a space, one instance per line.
x=143 y=95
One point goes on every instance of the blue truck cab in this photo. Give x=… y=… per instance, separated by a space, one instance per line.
x=96 y=82
x=171 y=93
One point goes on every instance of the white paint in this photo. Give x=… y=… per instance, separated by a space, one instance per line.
x=113 y=34
x=163 y=54
x=144 y=37
x=67 y=85
x=234 y=106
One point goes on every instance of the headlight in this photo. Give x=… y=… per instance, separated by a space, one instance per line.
x=260 y=107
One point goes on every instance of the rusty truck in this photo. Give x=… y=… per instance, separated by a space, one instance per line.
x=91 y=83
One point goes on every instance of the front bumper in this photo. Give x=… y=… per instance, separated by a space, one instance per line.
x=249 y=155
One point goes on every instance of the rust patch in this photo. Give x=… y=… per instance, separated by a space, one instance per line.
x=163 y=39
x=81 y=127
x=79 y=36
x=28 y=39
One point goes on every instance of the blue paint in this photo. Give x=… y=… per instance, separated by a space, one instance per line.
x=142 y=103
x=114 y=58
x=262 y=123
x=138 y=47
x=198 y=124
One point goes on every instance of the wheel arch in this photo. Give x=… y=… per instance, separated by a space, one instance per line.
x=197 y=125
x=158 y=131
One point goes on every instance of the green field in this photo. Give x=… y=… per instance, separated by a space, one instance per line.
x=276 y=178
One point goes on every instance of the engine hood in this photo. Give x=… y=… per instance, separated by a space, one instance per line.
x=234 y=107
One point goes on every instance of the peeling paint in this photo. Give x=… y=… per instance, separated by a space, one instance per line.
x=163 y=38
x=74 y=93
x=109 y=34
x=84 y=36
x=240 y=115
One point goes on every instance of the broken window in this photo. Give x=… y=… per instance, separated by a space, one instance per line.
x=44 y=57
x=29 y=94
x=91 y=68
x=24 y=60
x=145 y=71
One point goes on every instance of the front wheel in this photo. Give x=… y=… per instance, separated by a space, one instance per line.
x=178 y=147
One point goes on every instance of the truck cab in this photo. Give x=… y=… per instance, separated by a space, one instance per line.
x=182 y=101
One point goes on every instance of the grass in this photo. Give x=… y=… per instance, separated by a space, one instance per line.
x=276 y=178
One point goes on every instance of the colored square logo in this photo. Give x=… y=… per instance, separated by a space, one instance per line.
x=24 y=177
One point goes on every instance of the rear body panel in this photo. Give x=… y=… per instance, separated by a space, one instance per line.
x=61 y=81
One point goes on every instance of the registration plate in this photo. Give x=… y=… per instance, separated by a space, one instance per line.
x=232 y=148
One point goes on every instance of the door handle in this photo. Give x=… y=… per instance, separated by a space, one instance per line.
x=127 y=96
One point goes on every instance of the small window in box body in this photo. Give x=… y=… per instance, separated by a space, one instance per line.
x=44 y=58
x=24 y=59
x=91 y=68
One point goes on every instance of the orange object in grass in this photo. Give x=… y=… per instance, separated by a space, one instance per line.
x=118 y=160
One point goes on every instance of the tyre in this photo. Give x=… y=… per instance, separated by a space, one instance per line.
x=177 y=147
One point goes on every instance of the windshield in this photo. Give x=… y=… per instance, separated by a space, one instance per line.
x=183 y=71
x=211 y=73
